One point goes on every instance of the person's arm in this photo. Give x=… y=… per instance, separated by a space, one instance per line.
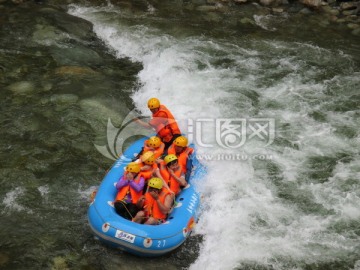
x=161 y=120
x=181 y=180
x=161 y=148
x=165 y=184
x=141 y=202
x=166 y=206
x=142 y=123
x=138 y=186
x=121 y=183
x=189 y=150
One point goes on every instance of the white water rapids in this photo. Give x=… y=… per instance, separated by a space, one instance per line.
x=269 y=208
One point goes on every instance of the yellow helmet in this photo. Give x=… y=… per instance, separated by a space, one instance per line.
x=148 y=158
x=155 y=183
x=170 y=158
x=153 y=103
x=133 y=167
x=154 y=141
x=181 y=141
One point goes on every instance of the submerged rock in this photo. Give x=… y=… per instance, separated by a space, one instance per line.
x=23 y=87
x=4 y=258
x=77 y=55
x=48 y=35
x=353 y=26
x=74 y=70
x=64 y=99
x=311 y=3
x=59 y=263
x=97 y=113
x=356 y=32
x=206 y=8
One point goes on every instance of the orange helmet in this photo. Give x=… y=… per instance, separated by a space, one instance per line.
x=181 y=141
x=153 y=103
x=148 y=158
x=133 y=167
x=154 y=141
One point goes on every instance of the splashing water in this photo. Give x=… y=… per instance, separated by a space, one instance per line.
x=298 y=204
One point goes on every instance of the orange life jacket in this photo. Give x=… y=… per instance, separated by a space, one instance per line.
x=165 y=124
x=126 y=189
x=171 y=181
x=182 y=157
x=151 y=206
x=157 y=152
x=148 y=173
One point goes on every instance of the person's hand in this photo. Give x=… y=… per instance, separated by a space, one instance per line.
x=171 y=172
x=158 y=160
x=154 y=194
x=140 y=202
x=129 y=177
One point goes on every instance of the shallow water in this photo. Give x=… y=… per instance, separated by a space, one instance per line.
x=290 y=205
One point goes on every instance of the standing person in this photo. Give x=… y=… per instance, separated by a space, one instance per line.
x=130 y=189
x=181 y=149
x=156 y=203
x=162 y=121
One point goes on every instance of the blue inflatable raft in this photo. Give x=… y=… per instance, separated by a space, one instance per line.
x=140 y=239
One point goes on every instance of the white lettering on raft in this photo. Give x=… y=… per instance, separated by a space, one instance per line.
x=193 y=202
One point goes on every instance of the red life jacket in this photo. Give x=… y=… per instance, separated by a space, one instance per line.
x=151 y=206
x=126 y=189
x=164 y=124
x=182 y=157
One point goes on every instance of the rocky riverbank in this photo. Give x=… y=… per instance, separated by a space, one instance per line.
x=331 y=11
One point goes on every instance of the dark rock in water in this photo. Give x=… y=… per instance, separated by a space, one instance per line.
x=78 y=55
x=70 y=24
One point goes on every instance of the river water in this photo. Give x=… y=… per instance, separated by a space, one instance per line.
x=283 y=193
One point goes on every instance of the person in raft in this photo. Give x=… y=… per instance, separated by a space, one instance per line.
x=147 y=165
x=162 y=121
x=156 y=203
x=171 y=172
x=181 y=149
x=130 y=188
x=155 y=145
